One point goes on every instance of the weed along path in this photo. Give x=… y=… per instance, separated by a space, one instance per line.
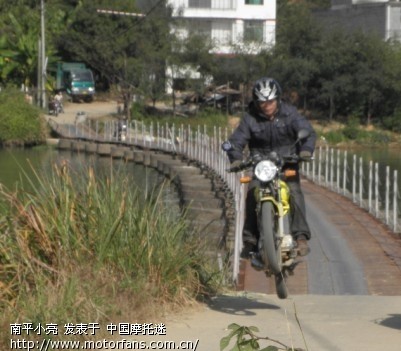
x=344 y=296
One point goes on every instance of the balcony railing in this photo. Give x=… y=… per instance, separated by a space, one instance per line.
x=212 y=4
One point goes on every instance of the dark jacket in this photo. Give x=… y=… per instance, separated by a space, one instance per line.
x=263 y=135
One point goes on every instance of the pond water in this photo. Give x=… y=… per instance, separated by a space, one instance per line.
x=22 y=167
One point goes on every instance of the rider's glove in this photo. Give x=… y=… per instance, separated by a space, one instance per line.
x=235 y=166
x=305 y=155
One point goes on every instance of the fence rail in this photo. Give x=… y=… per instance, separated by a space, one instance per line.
x=334 y=169
x=360 y=181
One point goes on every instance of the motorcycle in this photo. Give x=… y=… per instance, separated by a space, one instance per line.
x=122 y=130
x=277 y=250
x=55 y=107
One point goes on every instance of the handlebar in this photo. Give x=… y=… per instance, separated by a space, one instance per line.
x=289 y=159
x=244 y=165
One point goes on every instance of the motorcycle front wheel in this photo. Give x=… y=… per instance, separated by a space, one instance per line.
x=270 y=251
x=281 y=286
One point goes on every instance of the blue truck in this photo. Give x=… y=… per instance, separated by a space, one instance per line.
x=76 y=80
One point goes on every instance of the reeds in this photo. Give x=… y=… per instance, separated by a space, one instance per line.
x=86 y=248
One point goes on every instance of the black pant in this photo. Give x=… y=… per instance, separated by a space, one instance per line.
x=297 y=215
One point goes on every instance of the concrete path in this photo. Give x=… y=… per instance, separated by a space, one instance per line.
x=312 y=322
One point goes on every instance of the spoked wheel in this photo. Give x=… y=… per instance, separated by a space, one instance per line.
x=281 y=287
x=270 y=251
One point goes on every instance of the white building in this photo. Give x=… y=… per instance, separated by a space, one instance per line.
x=230 y=21
x=246 y=23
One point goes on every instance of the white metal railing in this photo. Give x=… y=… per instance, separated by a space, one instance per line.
x=368 y=186
x=333 y=169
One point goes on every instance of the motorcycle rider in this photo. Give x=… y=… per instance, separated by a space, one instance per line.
x=272 y=125
x=58 y=99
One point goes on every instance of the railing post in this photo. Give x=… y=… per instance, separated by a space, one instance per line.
x=360 y=182
x=377 y=190
x=395 y=201
x=370 y=186
x=326 y=166
x=354 y=178
x=319 y=166
x=387 y=198
x=331 y=168
x=338 y=171
x=345 y=173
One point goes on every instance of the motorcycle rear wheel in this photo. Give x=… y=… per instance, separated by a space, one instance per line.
x=270 y=251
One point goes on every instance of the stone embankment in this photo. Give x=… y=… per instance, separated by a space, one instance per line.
x=204 y=199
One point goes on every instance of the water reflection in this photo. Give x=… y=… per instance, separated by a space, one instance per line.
x=18 y=168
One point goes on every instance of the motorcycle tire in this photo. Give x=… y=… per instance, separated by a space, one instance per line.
x=270 y=250
x=281 y=286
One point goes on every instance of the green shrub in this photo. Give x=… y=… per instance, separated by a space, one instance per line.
x=393 y=122
x=334 y=137
x=20 y=122
x=352 y=130
x=379 y=137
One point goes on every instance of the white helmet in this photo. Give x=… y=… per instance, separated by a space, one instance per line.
x=266 y=89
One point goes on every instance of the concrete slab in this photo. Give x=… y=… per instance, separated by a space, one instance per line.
x=308 y=322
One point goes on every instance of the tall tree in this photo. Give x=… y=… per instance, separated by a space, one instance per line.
x=128 y=50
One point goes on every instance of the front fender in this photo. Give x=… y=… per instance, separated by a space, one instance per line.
x=268 y=197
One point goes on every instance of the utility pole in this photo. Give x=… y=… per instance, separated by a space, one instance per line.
x=42 y=58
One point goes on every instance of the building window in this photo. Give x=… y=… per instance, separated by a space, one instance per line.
x=201 y=27
x=200 y=4
x=253 y=31
x=253 y=2
x=211 y=4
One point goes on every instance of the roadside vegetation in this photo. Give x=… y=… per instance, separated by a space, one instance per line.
x=81 y=248
x=22 y=125
x=338 y=76
x=20 y=122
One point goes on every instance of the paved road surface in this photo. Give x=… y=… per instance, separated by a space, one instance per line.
x=310 y=322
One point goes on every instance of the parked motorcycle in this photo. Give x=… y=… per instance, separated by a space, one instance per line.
x=276 y=249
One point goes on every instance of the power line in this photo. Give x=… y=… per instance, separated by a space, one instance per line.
x=121 y=13
x=138 y=19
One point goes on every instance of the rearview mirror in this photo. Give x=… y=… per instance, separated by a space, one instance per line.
x=226 y=146
x=303 y=134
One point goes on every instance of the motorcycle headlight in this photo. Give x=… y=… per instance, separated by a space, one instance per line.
x=265 y=171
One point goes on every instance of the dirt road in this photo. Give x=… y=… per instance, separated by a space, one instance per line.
x=95 y=109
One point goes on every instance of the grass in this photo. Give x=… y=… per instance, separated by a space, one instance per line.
x=82 y=249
